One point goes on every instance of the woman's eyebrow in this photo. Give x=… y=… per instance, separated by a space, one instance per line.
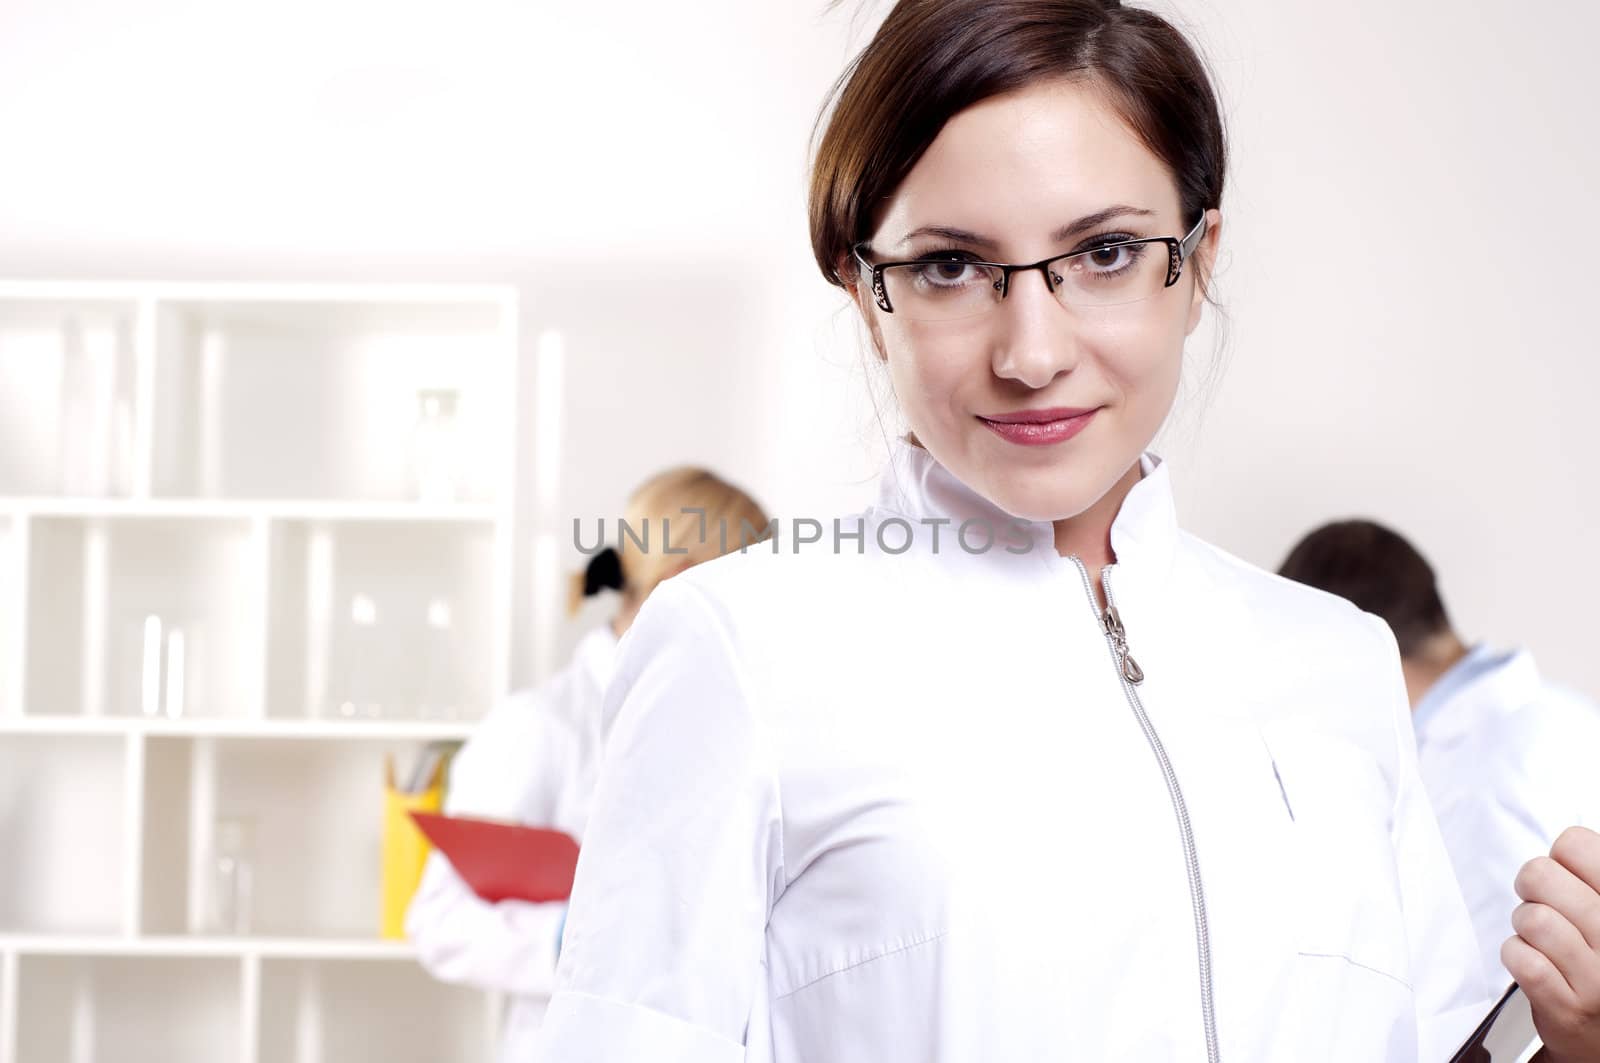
x=1066 y=232
x=1099 y=217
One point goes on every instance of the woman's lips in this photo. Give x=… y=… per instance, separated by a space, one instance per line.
x=1038 y=428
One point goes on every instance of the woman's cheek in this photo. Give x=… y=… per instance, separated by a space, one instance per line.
x=1141 y=357
x=930 y=372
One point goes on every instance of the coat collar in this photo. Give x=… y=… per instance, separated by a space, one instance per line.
x=1486 y=680
x=1144 y=534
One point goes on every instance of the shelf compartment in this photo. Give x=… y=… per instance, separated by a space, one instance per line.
x=381 y=622
x=95 y=584
x=315 y=813
x=320 y=399
x=67 y=411
x=350 y=1009
x=128 y=1010
x=63 y=835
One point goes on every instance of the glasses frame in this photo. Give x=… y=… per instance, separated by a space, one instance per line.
x=1179 y=250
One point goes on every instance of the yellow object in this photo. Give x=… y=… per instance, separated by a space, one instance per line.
x=405 y=850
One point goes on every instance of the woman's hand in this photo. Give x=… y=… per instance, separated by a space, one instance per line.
x=1555 y=955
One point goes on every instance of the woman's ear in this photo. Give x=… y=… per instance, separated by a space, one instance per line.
x=1203 y=261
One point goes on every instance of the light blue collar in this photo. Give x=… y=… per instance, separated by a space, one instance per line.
x=1479 y=662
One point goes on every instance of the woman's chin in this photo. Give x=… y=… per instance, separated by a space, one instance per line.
x=1041 y=498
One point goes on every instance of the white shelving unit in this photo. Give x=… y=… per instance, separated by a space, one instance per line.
x=233 y=581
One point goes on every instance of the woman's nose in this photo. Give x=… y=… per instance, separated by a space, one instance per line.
x=1035 y=338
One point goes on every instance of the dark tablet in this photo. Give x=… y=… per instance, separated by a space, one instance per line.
x=1506 y=1035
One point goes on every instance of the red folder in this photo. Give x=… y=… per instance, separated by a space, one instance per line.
x=503 y=861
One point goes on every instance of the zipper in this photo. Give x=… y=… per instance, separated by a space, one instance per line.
x=1111 y=624
x=1132 y=675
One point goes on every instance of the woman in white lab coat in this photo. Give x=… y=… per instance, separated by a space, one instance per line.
x=535 y=758
x=1010 y=767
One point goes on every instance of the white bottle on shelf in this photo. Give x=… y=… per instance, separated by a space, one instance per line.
x=150 y=666
x=232 y=880
x=436 y=446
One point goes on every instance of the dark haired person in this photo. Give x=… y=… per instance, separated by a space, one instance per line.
x=534 y=760
x=1509 y=759
x=1012 y=768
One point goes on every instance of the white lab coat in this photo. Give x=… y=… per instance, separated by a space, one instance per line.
x=533 y=760
x=1508 y=761
x=897 y=808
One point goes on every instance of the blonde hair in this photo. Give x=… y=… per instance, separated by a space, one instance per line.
x=731 y=518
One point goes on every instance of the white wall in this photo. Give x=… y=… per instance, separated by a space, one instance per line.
x=1411 y=290
x=1409 y=231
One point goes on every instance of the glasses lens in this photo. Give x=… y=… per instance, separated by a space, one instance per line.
x=1109 y=276
x=941 y=290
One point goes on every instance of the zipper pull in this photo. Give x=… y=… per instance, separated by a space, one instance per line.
x=1111 y=623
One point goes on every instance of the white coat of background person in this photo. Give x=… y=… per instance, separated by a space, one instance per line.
x=1077 y=787
x=535 y=758
x=1509 y=759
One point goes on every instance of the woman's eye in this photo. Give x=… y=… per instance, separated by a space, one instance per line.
x=1105 y=258
x=1109 y=261
x=945 y=272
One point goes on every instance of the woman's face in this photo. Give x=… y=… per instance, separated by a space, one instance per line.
x=1017 y=176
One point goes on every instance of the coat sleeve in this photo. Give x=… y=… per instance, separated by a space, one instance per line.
x=1450 y=990
x=664 y=953
x=509 y=947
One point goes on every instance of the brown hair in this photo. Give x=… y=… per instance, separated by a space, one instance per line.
x=1379 y=571
x=932 y=59
x=664 y=497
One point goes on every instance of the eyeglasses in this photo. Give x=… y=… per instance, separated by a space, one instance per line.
x=948 y=287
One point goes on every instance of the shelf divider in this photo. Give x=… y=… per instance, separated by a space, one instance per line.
x=133 y=824
x=81 y=1035
x=209 y=946
x=249 y=1008
x=259 y=611
x=202 y=818
x=96 y=616
x=308 y=1015
x=144 y=397
x=319 y=617
x=14 y=697
x=8 y=1006
x=66 y=726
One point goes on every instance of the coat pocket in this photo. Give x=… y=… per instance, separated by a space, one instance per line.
x=1344 y=878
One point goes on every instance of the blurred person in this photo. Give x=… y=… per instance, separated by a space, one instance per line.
x=535 y=758
x=1508 y=758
